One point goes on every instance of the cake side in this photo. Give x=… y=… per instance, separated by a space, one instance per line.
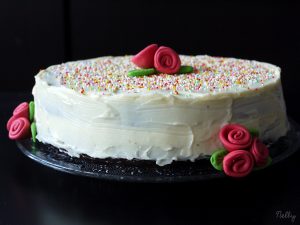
x=156 y=122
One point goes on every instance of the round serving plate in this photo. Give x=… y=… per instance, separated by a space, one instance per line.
x=143 y=170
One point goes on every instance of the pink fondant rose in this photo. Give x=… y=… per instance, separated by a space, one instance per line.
x=21 y=110
x=9 y=122
x=145 y=58
x=238 y=163
x=166 y=60
x=235 y=137
x=19 y=129
x=260 y=152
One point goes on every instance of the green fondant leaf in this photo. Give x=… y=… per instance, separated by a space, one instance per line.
x=141 y=72
x=185 y=69
x=33 y=132
x=254 y=132
x=216 y=158
x=31 y=111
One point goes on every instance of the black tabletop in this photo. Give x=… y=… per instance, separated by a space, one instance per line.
x=33 y=194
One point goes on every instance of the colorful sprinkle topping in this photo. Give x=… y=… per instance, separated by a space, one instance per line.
x=109 y=75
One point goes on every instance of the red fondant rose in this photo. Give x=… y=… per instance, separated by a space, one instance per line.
x=238 y=163
x=22 y=110
x=19 y=129
x=260 y=152
x=166 y=60
x=234 y=137
x=9 y=122
x=145 y=58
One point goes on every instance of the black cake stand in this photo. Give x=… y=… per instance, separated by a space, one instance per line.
x=142 y=170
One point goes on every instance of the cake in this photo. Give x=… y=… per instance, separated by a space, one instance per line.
x=93 y=107
x=158 y=106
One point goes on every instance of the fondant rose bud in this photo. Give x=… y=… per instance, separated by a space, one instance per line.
x=166 y=60
x=238 y=163
x=260 y=152
x=145 y=58
x=235 y=137
x=19 y=129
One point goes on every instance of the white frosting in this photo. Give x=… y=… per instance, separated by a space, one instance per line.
x=153 y=125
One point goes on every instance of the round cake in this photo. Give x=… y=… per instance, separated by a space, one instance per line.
x=93 y=107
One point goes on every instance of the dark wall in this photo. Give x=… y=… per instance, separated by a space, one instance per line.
x=31 y=38
x=36 y=34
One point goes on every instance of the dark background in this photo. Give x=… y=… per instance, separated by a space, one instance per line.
x=36 y=34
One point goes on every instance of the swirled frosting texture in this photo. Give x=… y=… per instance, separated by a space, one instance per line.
x=92 y=107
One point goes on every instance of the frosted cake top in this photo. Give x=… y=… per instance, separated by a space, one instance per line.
x=109 y=76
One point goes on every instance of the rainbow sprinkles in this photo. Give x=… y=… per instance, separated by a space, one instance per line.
x=109 y=75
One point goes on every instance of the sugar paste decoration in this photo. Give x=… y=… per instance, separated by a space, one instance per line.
x=145 y=58
x=166 y=60
x=235 y=137
x=22 y=110
x=31 y=111
x=19 y=129
x=33 y=131
x=141 y=72
x=217 y=157
x=243 y=152
x=21 y=124
x=155 y=60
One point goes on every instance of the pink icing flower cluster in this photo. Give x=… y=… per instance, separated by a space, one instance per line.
x=244 y=151
x=18 y=125
x=163 y=59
